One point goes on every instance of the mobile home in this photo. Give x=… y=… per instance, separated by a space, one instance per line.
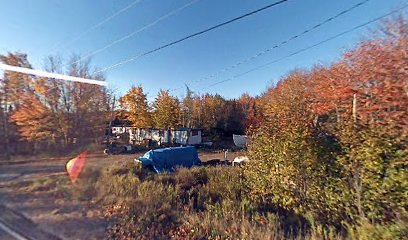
x=181 y=136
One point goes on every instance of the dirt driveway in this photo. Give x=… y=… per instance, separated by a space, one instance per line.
x=27 y=189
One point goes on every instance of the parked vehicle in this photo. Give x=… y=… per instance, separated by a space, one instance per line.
x=168 y=159
x=116 y=148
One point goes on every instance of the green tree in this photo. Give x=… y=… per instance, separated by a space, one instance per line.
x=166 y=110
x=187 y=108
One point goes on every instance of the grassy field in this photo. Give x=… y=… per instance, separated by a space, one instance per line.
x=116 y=199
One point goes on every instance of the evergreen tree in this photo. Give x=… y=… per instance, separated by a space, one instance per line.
x=166 y=110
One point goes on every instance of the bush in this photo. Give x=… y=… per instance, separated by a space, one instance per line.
x=197 y=203
x=212 y=203
x=117 y=184
x=369 y=231
x=374 y=170
x=163 y=203
x=151 y=214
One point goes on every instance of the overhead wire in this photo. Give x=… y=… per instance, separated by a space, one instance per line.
x=80 y=35
x=265 y=51
x=307 y=48
x=285 y=41
x=139 y=30
x=194 y=35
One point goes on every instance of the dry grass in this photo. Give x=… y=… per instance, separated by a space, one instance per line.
x=197 y=203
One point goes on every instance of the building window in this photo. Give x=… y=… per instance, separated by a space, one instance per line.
x=194 y=132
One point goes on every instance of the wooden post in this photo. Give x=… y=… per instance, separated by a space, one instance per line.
x=354 y=110
x=337 y=115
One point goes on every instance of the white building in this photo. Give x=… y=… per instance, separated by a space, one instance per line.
x=120 y=130
x=182 y=136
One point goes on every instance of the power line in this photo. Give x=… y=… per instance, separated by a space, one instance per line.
x=306 y=48
x=284 y=42
x=278 y=45
x=194 y=35
x=80 y=35
x=137 y=31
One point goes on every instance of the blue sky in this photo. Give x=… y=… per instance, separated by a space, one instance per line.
x=43 y=27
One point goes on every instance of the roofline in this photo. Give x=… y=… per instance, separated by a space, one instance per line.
x=176 y=129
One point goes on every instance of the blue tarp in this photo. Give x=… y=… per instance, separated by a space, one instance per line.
x=167 y=159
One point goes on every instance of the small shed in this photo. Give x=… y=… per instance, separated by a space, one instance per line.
x=186 y=136
x=240 y=140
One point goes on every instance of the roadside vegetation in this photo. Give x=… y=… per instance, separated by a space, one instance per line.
x=328 y=160
x=208 y=203
x=328 y=156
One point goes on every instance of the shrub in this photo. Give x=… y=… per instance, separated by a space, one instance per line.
x=85 y=188
x=205 y=225
x=117 y=184
x=374 y=173
x=368 y=231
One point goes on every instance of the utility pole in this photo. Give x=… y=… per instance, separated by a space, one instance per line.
x=354 y=110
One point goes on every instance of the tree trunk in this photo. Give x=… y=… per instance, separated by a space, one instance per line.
x=6 y=131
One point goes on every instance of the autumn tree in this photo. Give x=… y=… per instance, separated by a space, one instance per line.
x=15 y=84
x=251 y=111
x=4 y=120
x=217 y=115
x=233 y=119
x=187 y=108
x=197 y=112
x=12 y=86
x=135 y=106
x=33 y=118
x=54 y=113
x=166 y=110
x=89 y=103
x=333 y=138
x=365 y=93
x=213 y=111
x=287 y=167
x=375 y=142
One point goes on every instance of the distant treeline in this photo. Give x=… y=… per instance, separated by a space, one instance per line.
x=40 y=115
x=213 y=113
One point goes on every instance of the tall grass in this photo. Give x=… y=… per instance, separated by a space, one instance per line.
x=203 y=203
